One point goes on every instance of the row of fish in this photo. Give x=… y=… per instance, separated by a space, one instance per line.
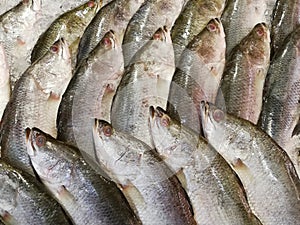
x=150 y=112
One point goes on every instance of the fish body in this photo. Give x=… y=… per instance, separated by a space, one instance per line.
x=198 y=75
x=4 y=81
x=25 y=201
x=113 y=16
x=152 y=15
x=149 y=185
x=145 y=82
x=244 y=75
x=264 y=169
x=69 y=26
x=34 y=102
x=17 y=36
x=192 y=20
x=86 y=196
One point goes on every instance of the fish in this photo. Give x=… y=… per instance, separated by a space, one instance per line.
x=241 y=88
x=286 y=18
x=25 y=201
x=4 y=81
x=34 y=102
x=149 y=185
x=17 y=36
x=240 y=16
x=280 y=111
x=113 y=16
x=152 y=15
x=87 y=197
x=69 y=26
x=145 y=82
x=198 y=75
x=194 y=17
x=216 y=195
x=264 y=168
x=99 y=73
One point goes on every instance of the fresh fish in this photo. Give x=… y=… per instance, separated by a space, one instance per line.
x=144 y=83
x=34 y=102
x=114 y=16
x=240 y=16
x=286 y=18
x=215 y=192
x=149 y=185
x=198 y=75
x=244 y=75
x=281 y=107
x=4 y=81
x=152 y=15
x=87 y=197
x=192 y=20
x=24 y=200
x=69 y=26
x=99 y=73
x=264 y=169
x=17 y=36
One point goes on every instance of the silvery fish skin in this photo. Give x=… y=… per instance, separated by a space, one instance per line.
x=24 y=201
x=113 y=16
x=17 y=36
x=250 y=12
x=215 y=192
x=198 y=75
x=144 y=83
x=152 y=15
x=244 y=75
x=98 y=74
x=34 y=102
x=151 y=188
x=294 y=146
x=4 y=81
x=192 y=20
x=69 y=26
x=280 y=111
x=286 y=17
x=264 y=169
x=87 y=197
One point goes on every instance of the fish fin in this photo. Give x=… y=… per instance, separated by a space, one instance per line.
x=61 y=193
x=7 y=218
x=296 y=130
x=133 y=196
x=293 y=176
x=54 y=97
x=181 y=177
x=241 y=168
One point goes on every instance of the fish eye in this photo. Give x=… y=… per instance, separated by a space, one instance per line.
x=218 y=115
x=40 y=141
x=107 y=131
x=211 y=27
x=91 y=4
x=25 y=1
x=165 y=121
x=157 y=36
x=107 y=41
x=54 y=48
x=260 y=32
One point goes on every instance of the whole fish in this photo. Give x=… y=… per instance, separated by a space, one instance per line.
x=17 y=36
x=286 y=18
x=4 y=81
x=264 y=169
x=69 y=26
x=240 y=16
x=198 y=75
x=244 y=75
x=149 y=185
x=207 y=178
x=34 y=102
x=144 y=83
x=192 y=20
x=152 y=15
x=113 y=16
x=99 y=73
x=25 y=201
x=280 y=112
x=87 y=197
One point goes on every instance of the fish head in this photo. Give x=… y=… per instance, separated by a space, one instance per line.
x=53 y=71
x=44 y=154
x=35 y=5
x=89 y=9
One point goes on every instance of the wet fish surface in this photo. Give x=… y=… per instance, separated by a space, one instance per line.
x=216 y=195
x=264 y=169
x=87 y=197
x=4 y=81
x=34 y=102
